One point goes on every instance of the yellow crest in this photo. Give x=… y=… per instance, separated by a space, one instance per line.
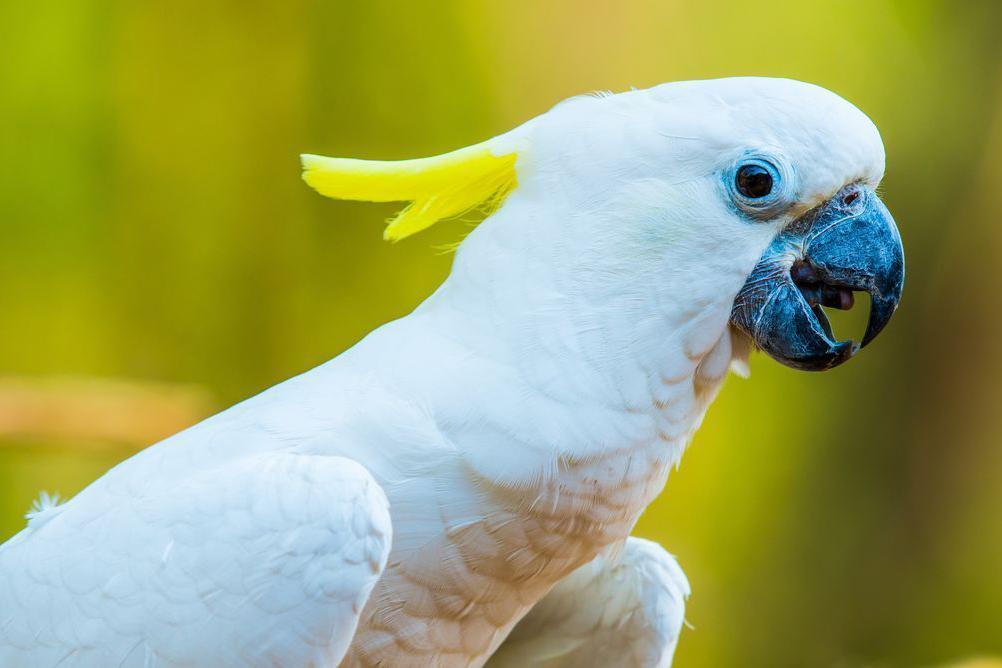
x=439 y=187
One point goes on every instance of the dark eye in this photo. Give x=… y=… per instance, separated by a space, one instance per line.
x=753 y=181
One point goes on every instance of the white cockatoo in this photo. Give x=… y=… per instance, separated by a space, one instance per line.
x=484 y=459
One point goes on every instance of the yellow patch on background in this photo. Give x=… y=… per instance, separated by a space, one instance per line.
x=438 y=187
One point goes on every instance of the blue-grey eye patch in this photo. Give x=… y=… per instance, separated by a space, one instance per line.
x=759 y=186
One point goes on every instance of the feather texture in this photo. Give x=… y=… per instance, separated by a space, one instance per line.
x=438 y=187
x=623 y=611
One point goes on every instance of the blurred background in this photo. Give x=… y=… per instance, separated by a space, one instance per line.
x=160 y=259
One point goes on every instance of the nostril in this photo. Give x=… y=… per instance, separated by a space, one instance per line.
x=850 y=197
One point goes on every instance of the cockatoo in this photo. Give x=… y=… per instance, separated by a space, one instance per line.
x=483 y=460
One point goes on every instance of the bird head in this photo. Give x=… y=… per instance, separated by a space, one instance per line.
x=748 y=202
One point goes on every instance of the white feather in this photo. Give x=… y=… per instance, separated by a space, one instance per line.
x=626 y=610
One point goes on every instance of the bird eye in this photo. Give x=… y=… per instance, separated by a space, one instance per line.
x=760 y=184
x=754 y=181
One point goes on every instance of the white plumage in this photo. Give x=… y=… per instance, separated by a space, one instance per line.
x=623 y=610
x=266 y=563
x=518 y=422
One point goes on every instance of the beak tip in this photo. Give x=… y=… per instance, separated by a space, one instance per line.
x=881 y=311
x=842 y=352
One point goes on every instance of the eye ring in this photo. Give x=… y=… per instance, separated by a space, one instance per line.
x=760 y=186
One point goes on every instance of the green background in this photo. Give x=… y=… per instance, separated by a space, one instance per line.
x=160 y=259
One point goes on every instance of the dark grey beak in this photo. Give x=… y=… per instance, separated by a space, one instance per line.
x=847 y=244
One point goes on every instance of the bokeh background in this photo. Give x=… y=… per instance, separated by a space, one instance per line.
x=160 y=259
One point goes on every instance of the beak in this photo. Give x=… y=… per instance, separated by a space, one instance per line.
x=849 y=243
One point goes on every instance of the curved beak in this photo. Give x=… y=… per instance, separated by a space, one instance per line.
x=849 y=243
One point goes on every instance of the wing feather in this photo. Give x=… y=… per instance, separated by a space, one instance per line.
x=265 y=561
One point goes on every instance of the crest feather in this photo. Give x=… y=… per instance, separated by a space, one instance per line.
x=439 y=187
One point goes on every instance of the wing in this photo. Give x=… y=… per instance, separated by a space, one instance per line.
x=265 y=561
x=625 y=612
